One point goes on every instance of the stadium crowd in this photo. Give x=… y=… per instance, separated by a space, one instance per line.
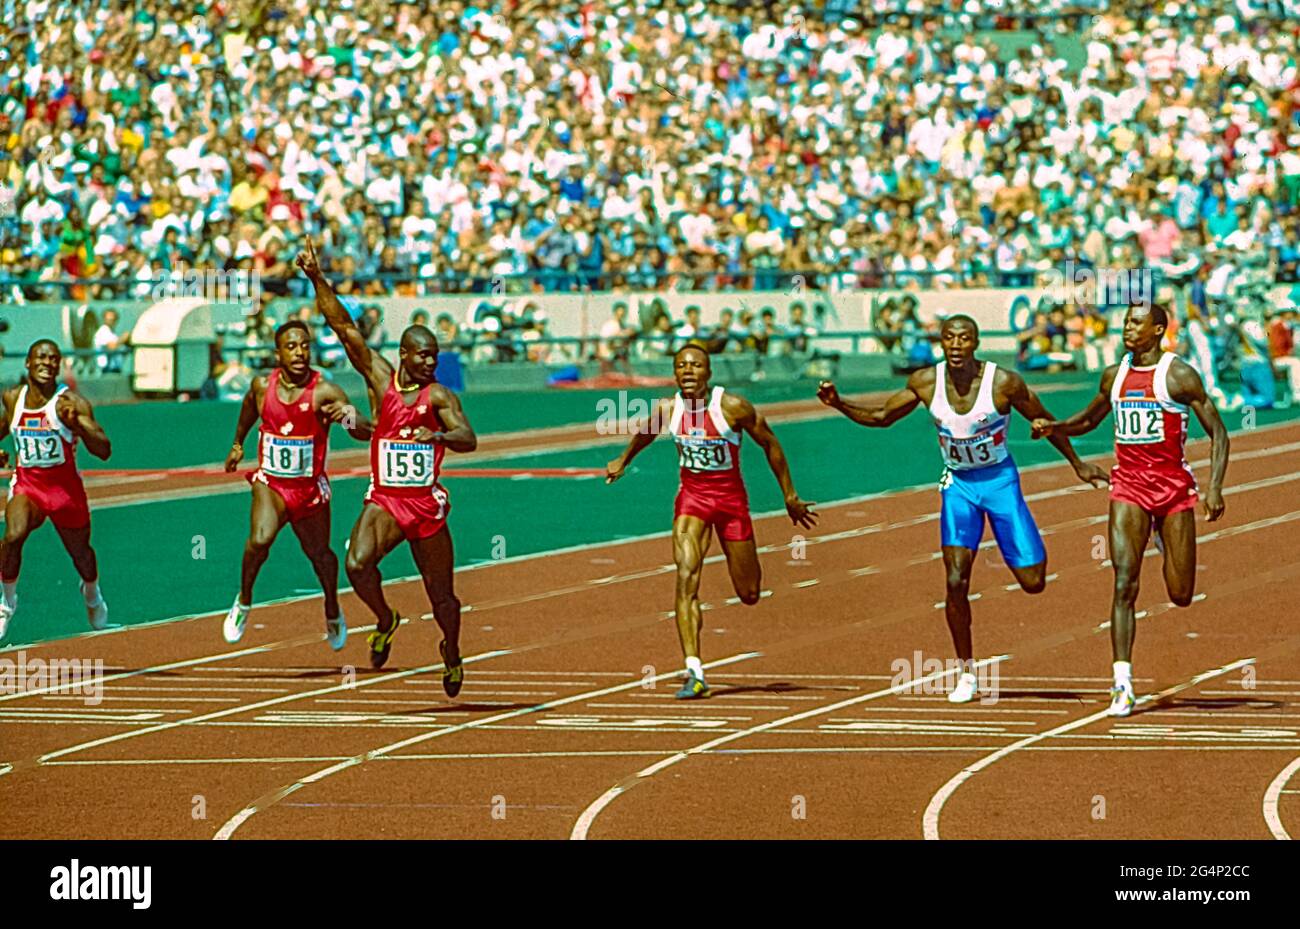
x=646 y=144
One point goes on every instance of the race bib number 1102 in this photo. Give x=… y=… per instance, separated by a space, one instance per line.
x=1139 y=422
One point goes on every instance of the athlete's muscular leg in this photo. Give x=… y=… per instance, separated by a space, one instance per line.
x=77 y=543
x=1032 y=578
x=22 y=518
x=374 y=536
x=1178 y=532
x=314 y=536
x=957 y=562
x=691 y=537
x=436 y=562
x=1130 y=526
x=746 y=573
x=268 y=518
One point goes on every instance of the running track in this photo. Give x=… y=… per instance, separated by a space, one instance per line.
x=566 y=726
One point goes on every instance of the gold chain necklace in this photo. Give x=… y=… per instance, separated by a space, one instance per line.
x=397 y=382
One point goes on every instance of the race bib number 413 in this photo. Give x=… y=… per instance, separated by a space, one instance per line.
x=1139 y=422
x=405 y=464
x=38 y=448
x=287 y=456
x=970 y=453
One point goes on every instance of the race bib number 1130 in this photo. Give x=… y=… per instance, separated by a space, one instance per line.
x=703 y=455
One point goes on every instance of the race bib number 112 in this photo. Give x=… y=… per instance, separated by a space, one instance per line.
x=38 y=448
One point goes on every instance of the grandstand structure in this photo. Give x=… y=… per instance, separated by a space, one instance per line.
x=534 y=157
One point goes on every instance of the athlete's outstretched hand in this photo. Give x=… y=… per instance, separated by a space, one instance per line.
x=614 y=470
x=1042 y=428
x=307 y=260
x=233 y=458
x=1091 y=474
x=801 y=513
x=1213 y=503
x=828 y=393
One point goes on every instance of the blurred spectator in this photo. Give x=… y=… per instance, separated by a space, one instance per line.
x=615 y=339
x=110 y=345
x=371 y=325
x=1042 y=347
x=798 y=332
x=1282 y=345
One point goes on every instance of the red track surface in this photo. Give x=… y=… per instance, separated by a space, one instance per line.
x=276 y=743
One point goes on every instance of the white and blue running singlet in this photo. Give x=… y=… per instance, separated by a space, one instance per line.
x=980 y=479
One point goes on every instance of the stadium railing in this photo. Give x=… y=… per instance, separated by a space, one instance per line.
x=525 y=283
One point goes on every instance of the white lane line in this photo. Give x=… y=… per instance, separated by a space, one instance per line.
x=930 y=820
x=1271 y=796
x=659 y=753
x=250 y=707
x=583 y=826
x=233 y=824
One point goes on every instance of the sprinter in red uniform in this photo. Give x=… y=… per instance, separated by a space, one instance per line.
x=416 y=420
x=1151 y=485
x=47 y=421
x=707 y=425
x=296 y=406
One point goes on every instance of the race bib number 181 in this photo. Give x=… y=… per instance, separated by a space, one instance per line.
x=287 y=456
x=405 y=464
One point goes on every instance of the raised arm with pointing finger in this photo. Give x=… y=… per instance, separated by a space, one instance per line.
x=368 y=363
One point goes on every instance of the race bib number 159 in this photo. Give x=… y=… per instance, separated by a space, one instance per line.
x=405 y=464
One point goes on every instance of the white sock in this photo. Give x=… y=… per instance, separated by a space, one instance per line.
x=11 y=593
x=90 y=590
x=1124 y=674
x=694 y=666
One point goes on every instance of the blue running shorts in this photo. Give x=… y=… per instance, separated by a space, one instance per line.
x=993 y=492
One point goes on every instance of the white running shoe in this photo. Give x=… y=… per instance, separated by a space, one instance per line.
x=98 y=615
x=1122 y=700
x=336 y=631
x=233 y=627
x=6 y=613
x=964 y=692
